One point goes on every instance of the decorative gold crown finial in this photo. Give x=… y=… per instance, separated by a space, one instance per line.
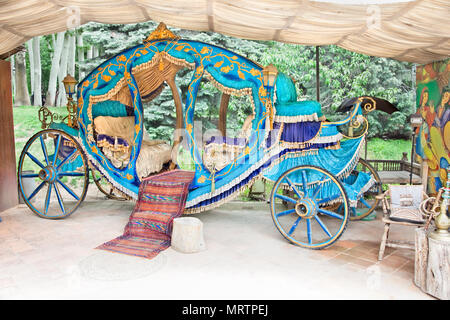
x=161 y=32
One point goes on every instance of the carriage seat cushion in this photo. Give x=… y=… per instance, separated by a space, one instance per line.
x=308 y=110
x=111 y=108
x=288 y=109
x=115 y=135
x=285 y=89
x=122 y=127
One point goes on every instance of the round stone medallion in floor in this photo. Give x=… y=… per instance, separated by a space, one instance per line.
x=109 y=266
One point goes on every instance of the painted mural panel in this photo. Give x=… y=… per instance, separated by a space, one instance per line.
x=433 y=103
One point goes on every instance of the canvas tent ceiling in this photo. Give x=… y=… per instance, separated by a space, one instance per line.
x=415 y=31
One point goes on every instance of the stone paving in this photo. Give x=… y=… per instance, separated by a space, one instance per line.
x=245 y=258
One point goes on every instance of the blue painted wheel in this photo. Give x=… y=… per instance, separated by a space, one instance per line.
x=305 y=221
x=53 y=175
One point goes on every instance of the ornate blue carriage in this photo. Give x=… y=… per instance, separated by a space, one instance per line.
x=319 y=182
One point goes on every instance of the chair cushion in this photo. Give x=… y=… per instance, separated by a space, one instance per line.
x=405 y=203
x=398 y=193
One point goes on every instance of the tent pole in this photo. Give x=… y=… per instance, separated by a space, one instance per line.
x=317 y=74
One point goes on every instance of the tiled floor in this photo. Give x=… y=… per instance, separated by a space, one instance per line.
x=245 y=258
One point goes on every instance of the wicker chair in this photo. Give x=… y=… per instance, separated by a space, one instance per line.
x=402 y=205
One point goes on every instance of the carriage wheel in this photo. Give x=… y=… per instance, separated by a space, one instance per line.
x=105 y=187
x=368 y=202
x=53 y=187
x=306 y=222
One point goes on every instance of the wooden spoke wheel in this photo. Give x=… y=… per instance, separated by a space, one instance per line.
x=105 y=187
x=306 y=221
x=368 y=202
x=53 y=175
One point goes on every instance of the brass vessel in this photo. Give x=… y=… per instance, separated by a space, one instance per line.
x=442 y=221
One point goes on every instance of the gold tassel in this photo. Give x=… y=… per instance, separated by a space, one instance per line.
x=269 y=108
x=213 y=181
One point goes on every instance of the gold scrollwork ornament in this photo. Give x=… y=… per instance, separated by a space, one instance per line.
x=72 y=119
x=45 y=117
x=370 y=106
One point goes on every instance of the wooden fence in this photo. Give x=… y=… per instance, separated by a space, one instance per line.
x=395 y=165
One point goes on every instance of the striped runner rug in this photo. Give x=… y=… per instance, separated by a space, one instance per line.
x=161 y=198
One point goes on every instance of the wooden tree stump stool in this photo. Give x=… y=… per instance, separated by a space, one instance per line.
x=187 y=235
x=432 y=265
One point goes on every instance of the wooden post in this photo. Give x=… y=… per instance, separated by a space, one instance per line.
x=180 y=123
x=223 y=113
x=412 y=157
x=8 y=181
x=317 y=74
x=177 y=99
x=424 y=175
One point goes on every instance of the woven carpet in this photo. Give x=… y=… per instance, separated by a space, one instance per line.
x=161 y=198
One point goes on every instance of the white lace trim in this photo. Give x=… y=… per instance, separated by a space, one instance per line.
x=327 y=139
x=303 y=118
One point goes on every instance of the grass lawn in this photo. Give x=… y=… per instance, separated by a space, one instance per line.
x=26 y=123
x=390 y=149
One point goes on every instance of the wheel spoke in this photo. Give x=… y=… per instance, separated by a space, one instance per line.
x=364 y=202
x=284 y=213
x=328 y=199
x=308 y=230
x=292 y=185
x=323 y=226
x=305 y=182
x=294 y=226
x=68 y=189
x=39 y=187
x=29 y=175
x=71 y=174
x=285 y=198
x=58 y=143
x=66 y=158
x=44 y=149
x=35 y=160
x=316 y=192
x=47 y=198
x=331 y=214
x=60 y=200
